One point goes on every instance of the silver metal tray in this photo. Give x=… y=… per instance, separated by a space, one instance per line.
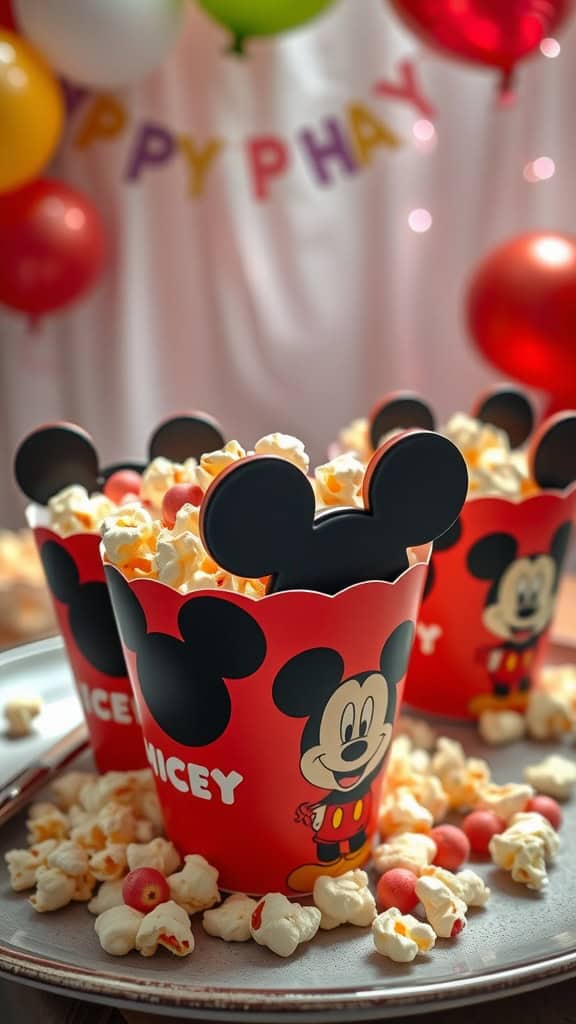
x=522 y=940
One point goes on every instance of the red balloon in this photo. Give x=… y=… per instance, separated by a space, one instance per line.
x=522 y=311
x=6 y=16
x=53 y=246
x=498 y=33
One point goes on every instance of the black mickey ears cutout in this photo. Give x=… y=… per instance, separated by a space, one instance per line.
x=257 y=518
x=396 y=653
x=54 y=457
x=61 y=454
x=418 y=487
x=401 y=410
x=508 y=408
x=184 y=437
x=90 y=615
x=552 y=454
x=182 y=681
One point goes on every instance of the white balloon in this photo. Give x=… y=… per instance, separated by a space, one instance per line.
x=101 y=43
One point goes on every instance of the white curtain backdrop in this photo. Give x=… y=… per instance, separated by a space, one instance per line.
x=293 y=313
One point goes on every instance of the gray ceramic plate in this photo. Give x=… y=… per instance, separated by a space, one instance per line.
x=521 y=941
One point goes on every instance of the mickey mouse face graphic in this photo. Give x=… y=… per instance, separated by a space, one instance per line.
x=353 y=734
x=349 y=723
x=520 y=601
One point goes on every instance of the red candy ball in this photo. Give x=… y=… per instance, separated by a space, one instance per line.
x=175 y=497
x=397 y=888
x=121 y=483
x=548 y=808
x=453 y=847
x=144 y=889
x=479 y=827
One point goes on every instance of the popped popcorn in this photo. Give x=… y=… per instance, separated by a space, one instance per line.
x=445 y=911
x=496 y=473
x=549 y=715
x=412 y=851
x=67 y=789
x=71 y=858
x=339 y=482
x=129 y=537
x=231 y=921
x=555 y=776
x=286 y=447
x=109 y=864
x=19 y=714
x=401 y=937
x=462 y=777
x=88 y=834
x=281 y=925
x=159 y=476
x=473 y=437
x=84 y=887
x=401 y=812
x=430 y=793
x=109 y=895
x=159 y=854
x=417 y=730
x=168 y=926
x=46 y=821
x=178 y=557
x=113 y=787
x=505 y=801
x=195 y=886
x=500 y=727
x=117 y=929
x=54 y=889
x=356 y=438
x=463 y=785
x=560 y=681
x=345 y=899
x=213 y=463
x=467 y=885
x=73 y=510
x=23 y=864
x=524 y=848
x=117 y=822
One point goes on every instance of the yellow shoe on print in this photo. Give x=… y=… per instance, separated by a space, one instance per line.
x=490 y=702
x=302 y=879
x=358 y=857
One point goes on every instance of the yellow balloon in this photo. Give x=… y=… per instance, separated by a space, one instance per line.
x=31 y=112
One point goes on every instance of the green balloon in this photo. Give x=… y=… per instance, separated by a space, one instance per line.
x=262 y=17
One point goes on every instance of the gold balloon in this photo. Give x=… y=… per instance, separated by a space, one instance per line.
x=31 y=112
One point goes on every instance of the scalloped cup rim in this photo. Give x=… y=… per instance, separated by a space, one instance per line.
x=422 y=555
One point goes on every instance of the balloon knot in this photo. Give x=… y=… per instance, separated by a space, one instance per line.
x=237 y=45
x=506 y=92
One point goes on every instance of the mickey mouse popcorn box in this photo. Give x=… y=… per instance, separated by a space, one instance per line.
x=267 y=721
x=67 y=536
x=490 y=595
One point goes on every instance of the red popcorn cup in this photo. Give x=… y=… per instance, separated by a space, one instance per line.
x=485 y=620
x=76 y=580
x=57 y=456
x=267 y=722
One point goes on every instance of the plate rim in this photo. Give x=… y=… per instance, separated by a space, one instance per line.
x=365 y=1003
x=369 y=1002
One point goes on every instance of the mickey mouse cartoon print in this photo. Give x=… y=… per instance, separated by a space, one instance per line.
x=344 y=742
x=518 y=607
